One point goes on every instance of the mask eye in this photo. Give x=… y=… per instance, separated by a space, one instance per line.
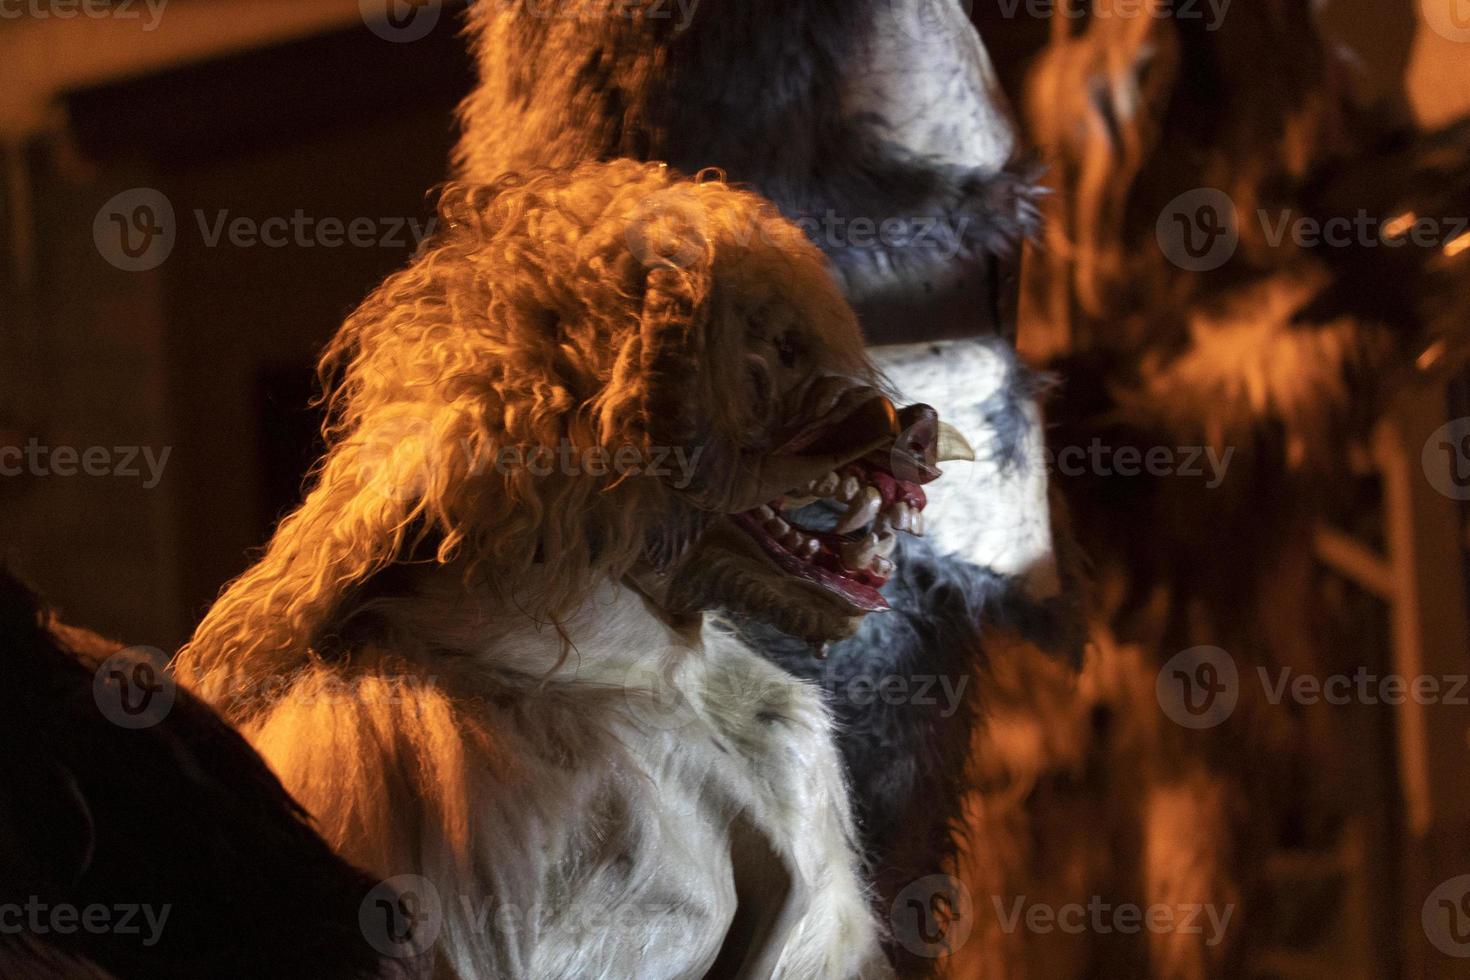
x=788 y=349
x=762 y=391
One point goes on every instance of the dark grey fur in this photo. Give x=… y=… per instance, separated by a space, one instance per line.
x=755 y=89
x=906 y=759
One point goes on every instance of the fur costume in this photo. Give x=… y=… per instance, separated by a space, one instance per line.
x=848 y=116
x=588 y=774
x=177 y=820
x=1283 y=356
x=868 y=110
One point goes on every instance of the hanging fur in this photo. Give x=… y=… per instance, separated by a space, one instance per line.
x=1281 y=358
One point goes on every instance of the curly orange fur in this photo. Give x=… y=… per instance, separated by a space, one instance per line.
x=560 y=308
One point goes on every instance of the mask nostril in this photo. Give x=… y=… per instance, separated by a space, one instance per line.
x=919 y=427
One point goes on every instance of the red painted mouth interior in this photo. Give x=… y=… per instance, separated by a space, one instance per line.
x=827 y=563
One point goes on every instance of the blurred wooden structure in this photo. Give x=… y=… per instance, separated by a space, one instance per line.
x=1420 y=574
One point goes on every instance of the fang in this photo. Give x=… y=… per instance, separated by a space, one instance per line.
x=858 y=555
x=862 y=511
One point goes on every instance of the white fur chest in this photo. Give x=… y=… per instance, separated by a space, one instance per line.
x=678 y=810
x=750 y=798
x=658 y=806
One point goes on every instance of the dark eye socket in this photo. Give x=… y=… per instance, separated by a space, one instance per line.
x=760 y=384
x=788 y=348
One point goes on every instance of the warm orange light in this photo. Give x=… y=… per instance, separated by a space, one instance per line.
x=1457 y=246
x=1431 y=356
x=1396 y=227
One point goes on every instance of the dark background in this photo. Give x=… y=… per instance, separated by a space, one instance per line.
x=212 y=353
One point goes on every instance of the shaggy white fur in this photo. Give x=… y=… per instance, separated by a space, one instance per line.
x=473 y=675
x=591 y=824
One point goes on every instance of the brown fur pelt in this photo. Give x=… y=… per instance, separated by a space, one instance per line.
x=1282 y=357
x=1128 y=114
x=1084 y=802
